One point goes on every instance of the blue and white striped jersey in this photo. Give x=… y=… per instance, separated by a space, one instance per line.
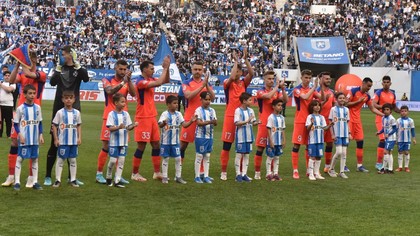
x=340 y=116
x=316 y=134
x=405 y=127
x=118 y=138
x=169 y=134
x=67 y=122
x=244 y=133
x=277 y=124
x=205 y=114
x=389 y=124
x=28 y=118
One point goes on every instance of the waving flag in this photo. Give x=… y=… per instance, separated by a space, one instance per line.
x=22 y=55
x=162 y=51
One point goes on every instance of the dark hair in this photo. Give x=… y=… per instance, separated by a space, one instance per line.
x=276 y=101
x=67 y=48
x=386 y=105
x=324 y=73
x=204 y=94
x=28 y=87
x=67 y=93
x=200 y=63
x=338 y=95
x=386 y=77
x=117 y=97
x=244 y=96
x=4 y=66
x=312 y=104
x=306 y=72
x=404 y=107
x=121 y=62
x=6 y=72
x=269 y=72
x=170 y=99
x=145 y=64
x=367 y=79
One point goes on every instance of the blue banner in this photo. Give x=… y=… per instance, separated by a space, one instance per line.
x=329 y=50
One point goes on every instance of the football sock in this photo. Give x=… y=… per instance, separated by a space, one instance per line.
x=156 y=160
x=59 y=169
x=306 y=157
x=343 y=159
x=407 y=160
x=245 y=163
x=257 y=162
x=103 y=155
x=12 y=163
x=295 y=158
x=111 y=163
x=328 y=156
x=400 y=160
x=311 y=167
x=276 y=165
x=380 y=154
x=268 y=163
x=385 y=161
x=197 y=163
x=138 y=155
x=391 y=162
x=178 y=167
x=34 y=170
x=202 y=167
x=120 y=168
x=73 y=169
x=335 y=157
x=224 y=160
x=238 y=158
x=18 y=168
x=359 y=155
x=317 y=165
x=165 y=163
x=206 y=164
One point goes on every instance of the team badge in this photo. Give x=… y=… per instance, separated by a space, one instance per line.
x=24 y=151
x=75 y=73
x=320 y=44
x=122 y=151
x=62 y=151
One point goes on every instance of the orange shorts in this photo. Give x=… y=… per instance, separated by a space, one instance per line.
x=13 y=133
x=188 y=134
x=262 y=133
x=378 y=128
x=356 y=130
x=229 y=128
x=104 y=131
x=300 y=134
x=147 y=131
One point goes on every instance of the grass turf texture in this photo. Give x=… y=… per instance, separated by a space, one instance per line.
x=364 y=204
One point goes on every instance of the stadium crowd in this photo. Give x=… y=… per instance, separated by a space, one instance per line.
x=105 y=31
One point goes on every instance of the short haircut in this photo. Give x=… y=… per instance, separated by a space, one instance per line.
x=200 y=63
x=386 y=105
x=339 y=94
x=117 y=97
x=306 y=72
x=145 y=64
x=4 y=66
x=68 y=93
x=269 y=72
x=121 y=62
x=404 y=107
x=6 y=72
x=367 y=79
x=324 y=73
x=276 y=101
x=170 y=99
x=28 y=87
x=312 y=104
x=204 y=94
x=386 y=77
x=244 y=96
x=67 y=48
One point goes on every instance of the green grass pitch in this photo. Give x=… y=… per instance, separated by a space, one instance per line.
x=364 y=204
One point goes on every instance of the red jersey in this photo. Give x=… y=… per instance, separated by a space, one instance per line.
x=302 y=106
x=193 y=103
x=381 y=97
x=325 y=111
x=354 y=95
x=264 y=105
x=146 y=107
x=232 y=93
x=109 y=104
x=38 y=83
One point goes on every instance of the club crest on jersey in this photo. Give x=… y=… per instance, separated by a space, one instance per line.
x=298 y=91
x=23 y=123
x=75 y=73
x=62 y=126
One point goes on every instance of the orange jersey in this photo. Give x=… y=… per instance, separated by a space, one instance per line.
x=232 y=93
x=302 y=106
x=193 y=103
x=109 y=105
x=354 y=95
x=325 y=111
x=381 y=97
x=38 y=83
x=146 y=107
x=264 y=105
